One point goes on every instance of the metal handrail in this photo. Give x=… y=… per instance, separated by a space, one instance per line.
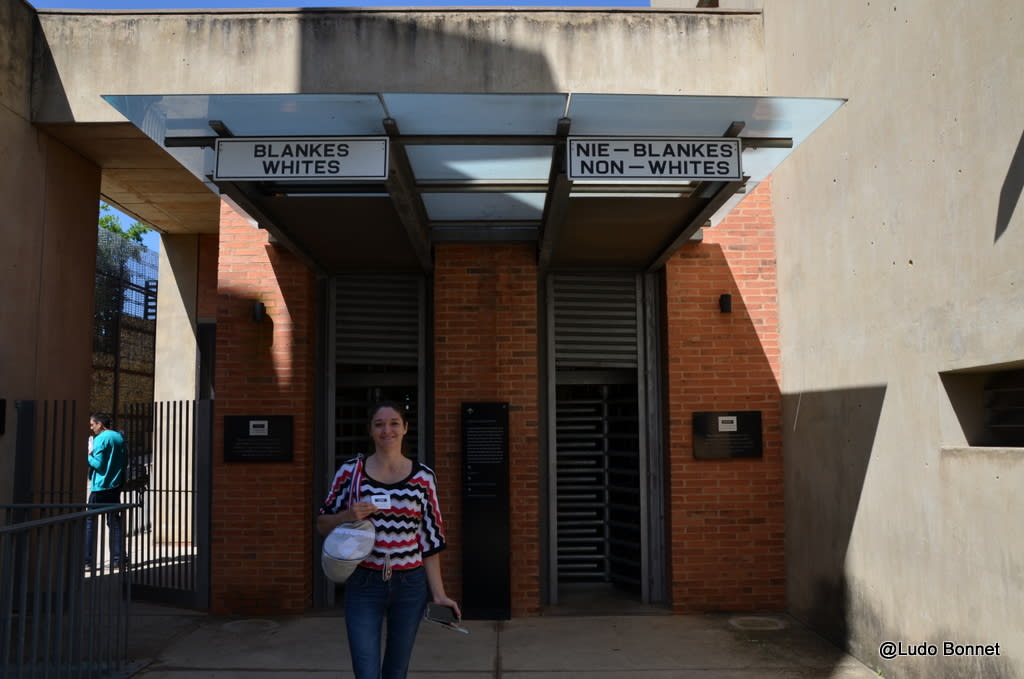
x=57 y=618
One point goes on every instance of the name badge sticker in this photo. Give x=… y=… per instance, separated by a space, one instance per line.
x=381 y=501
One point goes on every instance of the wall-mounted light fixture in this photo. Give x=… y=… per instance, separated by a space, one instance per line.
x=725 y=303
x=259 y=311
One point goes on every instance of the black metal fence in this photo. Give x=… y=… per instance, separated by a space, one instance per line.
x=57 y=618
x=50 y=465
x=166 y=500
x=171 y=448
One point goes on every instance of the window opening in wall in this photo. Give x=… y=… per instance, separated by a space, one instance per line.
x=1004 y=408
x=989 y=404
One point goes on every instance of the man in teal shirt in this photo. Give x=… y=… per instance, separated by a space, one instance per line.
x=108 y=460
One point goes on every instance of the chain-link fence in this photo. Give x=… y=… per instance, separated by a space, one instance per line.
x=124 y=327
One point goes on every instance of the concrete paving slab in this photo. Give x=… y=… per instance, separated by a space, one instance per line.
x=308 y=643
x=439 y=649
x=556 y=647
x=755 y=673
x=614 y=643
x=151 y=628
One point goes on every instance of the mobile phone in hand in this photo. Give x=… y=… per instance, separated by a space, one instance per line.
x=444 y=616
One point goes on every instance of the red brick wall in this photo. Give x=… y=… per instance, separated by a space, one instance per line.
x=485 y=343
x=726 y=517
x=262 y=527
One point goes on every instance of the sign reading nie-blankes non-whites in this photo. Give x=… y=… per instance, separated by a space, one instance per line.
x=301 y=158
x=632 y=158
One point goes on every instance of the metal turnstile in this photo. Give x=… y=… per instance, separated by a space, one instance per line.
x=597 y=489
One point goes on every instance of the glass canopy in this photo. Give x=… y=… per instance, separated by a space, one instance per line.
x=486 y=166
x=481 y=166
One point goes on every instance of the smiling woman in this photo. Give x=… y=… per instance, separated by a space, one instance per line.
x=399 y=496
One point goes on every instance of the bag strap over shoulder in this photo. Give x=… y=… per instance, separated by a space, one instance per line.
x=356 y=482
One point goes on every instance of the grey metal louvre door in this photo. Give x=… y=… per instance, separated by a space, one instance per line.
x=597 y=444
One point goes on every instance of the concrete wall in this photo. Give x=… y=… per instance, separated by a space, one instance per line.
x=283 y=51
x=176 y=370
x=50 y=197
x=900 y=231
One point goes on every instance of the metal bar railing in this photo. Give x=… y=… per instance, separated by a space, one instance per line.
x=57 y=617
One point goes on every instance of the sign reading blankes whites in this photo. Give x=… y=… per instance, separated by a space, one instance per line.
x=301 y=158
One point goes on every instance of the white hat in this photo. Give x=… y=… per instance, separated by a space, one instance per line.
x=344 y=549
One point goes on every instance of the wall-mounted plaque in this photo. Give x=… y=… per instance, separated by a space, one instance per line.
x=725 y=435
x=258 y=438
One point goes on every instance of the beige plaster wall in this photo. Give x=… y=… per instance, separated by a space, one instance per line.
x=50 y=198
x=900 y=233
x=349 y=50
x=177 y=362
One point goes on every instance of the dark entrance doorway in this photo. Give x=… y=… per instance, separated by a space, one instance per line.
x=603 y=450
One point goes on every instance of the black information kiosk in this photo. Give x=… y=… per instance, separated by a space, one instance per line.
x=486 y=554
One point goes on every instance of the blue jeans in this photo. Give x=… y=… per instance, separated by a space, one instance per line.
x=369 y=600
x=114 y=525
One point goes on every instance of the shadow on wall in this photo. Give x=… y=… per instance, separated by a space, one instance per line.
x=829 y=437
x=425 y=52
x=726 y=361
x=1013 y=185
x=53 y=100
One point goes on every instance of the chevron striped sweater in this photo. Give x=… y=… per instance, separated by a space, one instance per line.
x=410 y=529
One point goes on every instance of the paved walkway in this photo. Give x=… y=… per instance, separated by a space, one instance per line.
x=168 y=643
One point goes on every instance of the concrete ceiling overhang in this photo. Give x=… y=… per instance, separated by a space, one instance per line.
x=142 y=178
x=462 y=168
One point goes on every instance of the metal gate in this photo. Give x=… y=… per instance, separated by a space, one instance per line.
x=168 y=482
x=600 y=434
x=169 y=533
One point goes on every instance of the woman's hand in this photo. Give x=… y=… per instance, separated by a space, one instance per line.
x=360 y=510
x=450 y=603
x=325 y=523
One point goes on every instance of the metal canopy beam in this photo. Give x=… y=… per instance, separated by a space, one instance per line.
x=486 y=232
x=401 y=184
x=477 y=140
x=557 y=204
x=720 y=193
x=716 y=193
x=407 y=193
x=481 y=186
x=241 y=195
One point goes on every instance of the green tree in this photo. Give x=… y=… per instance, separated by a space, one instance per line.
x=112 y=223
x=116 y=249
